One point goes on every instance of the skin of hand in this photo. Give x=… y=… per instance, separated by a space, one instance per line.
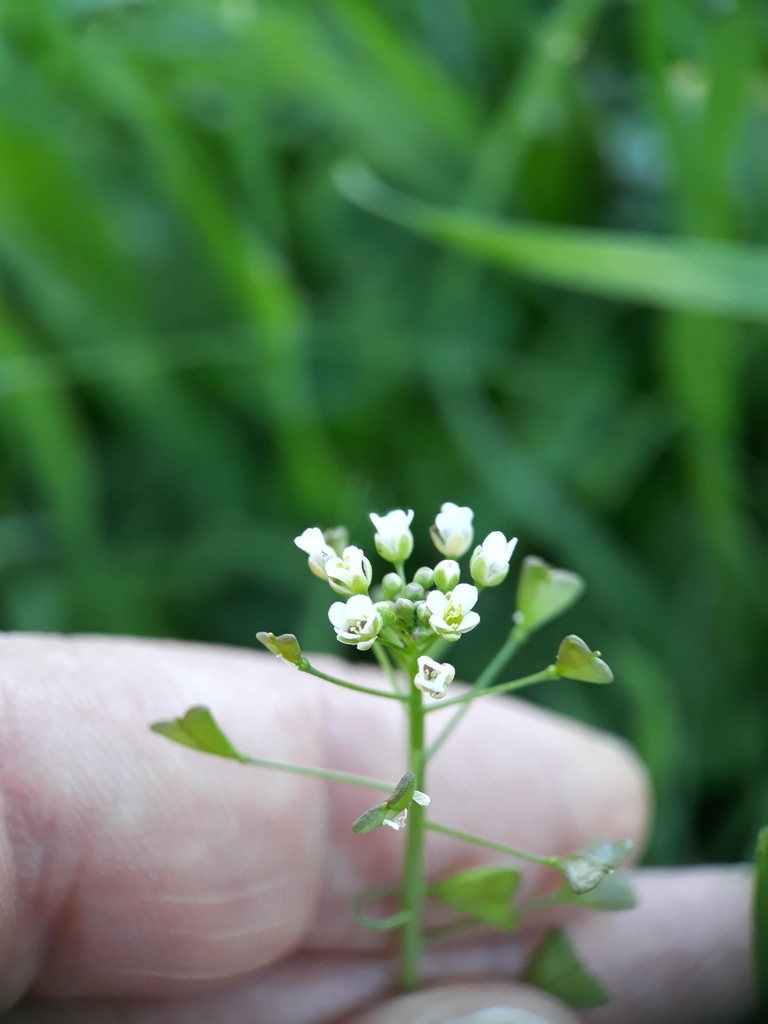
x=146 y=883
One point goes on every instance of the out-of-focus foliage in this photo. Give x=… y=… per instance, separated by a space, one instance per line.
x=204 y=347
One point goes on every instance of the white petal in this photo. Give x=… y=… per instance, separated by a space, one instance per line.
x=464 y=595
x=311 y=540
x=421 y=798
x=337 y=613
x=437 y=602
x=359 y=607
x=469 y=621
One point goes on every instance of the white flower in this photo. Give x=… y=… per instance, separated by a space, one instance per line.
x=489 y=563
x=421 y=798
x=394 y=541
x=349 y=574
x=357 y=622
x=398 y=822
x=313 y=542
x=452 y=531
x=432 y=677
x=452 y=613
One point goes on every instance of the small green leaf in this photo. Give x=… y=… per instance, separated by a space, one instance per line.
x=760 y=919
x=556 y=969
x=612 y=893
x=373 y=818
x=576 y=661
x=285 y=646
x=198 y=729
x=586 y=868
x=484 y=894
x=544 y=592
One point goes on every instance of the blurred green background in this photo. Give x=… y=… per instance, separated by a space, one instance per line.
x=211 y=336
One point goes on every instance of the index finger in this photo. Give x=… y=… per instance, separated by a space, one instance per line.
x=131 y=866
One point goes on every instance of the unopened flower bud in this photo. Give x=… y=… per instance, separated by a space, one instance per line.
x=447 y=575
x=452 y=530
x=285 y=646
x=394 y=540
x=403 y=792
x=406 y=610
x=423 y=613
x=391 y=586
x=489 y=563
x=386 y=610
x=424 y=577
x=414 y=592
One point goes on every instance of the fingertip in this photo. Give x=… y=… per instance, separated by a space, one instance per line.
x=482 y=1003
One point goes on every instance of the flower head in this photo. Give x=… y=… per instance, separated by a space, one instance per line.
x=357 y=622
x=349 y=574
x=394 y=541
x=432 y=677
x=489 y=563
x=451 y=614
x=452 y=531
x=314 y=543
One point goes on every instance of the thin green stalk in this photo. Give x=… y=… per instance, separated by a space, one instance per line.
x=413 y=872
x=389 y=670
x=504 y=654
x=306 y=667
x=318 y=773
x=468 y=837
x=514 y=684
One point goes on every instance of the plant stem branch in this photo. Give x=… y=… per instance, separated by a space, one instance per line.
x=389 y=670
x=514 y=684
x=508 y=649
x=468 y=837
x=413 y=872
x=306 y=667
x=319 y=773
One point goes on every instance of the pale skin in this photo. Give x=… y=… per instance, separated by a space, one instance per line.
x=145 y=883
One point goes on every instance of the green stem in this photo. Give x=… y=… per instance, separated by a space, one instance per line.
x=305 y=666
x=508 y=649
x=515 y=684
x=318 y=773
x=412 y=940
x=389 y=670
x=468 y=837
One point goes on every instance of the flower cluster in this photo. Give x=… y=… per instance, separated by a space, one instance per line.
x=409 y=616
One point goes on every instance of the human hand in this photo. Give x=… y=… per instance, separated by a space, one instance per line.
x=146 y=883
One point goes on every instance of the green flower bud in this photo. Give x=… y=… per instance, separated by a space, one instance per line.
x=544 y=592
x=424 y=577
x=414 y=592
x=423 y=613
x=576 y=661
x=391 y=586
x=386 y=610
x=447 y=575
x=285 y=646
x=406 y=610
x=373 y=818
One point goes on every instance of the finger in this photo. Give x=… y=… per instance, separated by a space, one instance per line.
x=482 y=1003
x=134 y=866
x=682 y=955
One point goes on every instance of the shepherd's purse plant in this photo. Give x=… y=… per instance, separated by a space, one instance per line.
x=409 y=625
